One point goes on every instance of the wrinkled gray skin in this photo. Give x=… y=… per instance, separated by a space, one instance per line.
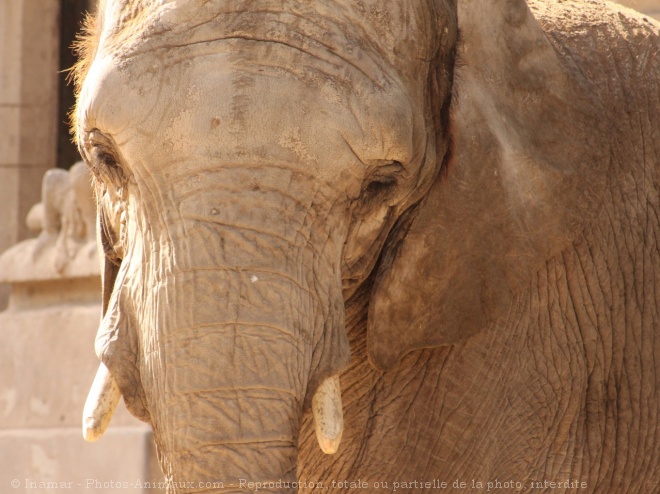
x=289 y=190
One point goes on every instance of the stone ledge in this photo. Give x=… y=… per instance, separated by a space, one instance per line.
x=43 y=294
x=35 y=260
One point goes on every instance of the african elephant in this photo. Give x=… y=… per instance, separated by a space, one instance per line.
x=454 y=207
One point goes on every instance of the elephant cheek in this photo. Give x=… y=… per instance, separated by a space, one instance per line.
x=117 y=347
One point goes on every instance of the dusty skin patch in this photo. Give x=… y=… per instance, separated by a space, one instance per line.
x=291 y=141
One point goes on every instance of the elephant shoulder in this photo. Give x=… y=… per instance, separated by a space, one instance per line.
x=591 y=32
x=616 y=49
x=576 y=17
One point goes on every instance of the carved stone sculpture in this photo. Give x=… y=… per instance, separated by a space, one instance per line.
x=65 y=220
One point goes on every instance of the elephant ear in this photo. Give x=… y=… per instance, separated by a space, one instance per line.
x=523 y=175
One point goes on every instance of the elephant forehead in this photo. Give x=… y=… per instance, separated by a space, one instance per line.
x=237 y=99
x=401 y=33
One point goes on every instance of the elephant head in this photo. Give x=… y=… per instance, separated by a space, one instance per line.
x=257 y=162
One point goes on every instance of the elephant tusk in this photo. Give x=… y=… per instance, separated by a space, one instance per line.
x=328 y=415
x=101 y=403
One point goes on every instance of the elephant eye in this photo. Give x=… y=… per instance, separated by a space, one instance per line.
x=380 y=185
x=101 y=159
x=106 y=159
x=383 y=180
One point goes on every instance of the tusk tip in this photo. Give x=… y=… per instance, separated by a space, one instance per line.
x=100 y=405
x=91 y=431
x=329 y=446
x=90 y=435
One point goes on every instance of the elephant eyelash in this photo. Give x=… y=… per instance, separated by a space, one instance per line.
x=98 y=154
x=104 y=166
x=380 y=185
x=103 y=157
x=383 y=180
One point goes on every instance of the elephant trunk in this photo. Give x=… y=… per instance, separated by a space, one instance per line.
x=230 y=377
x=231 y=344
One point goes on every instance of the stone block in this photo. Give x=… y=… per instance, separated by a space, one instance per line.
x=40 y=53
x=9 y=214
x=51 y=460
x=29 y=51
x=10 y=137
x=38 y=135
x=11 y=30
x=28 y=137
